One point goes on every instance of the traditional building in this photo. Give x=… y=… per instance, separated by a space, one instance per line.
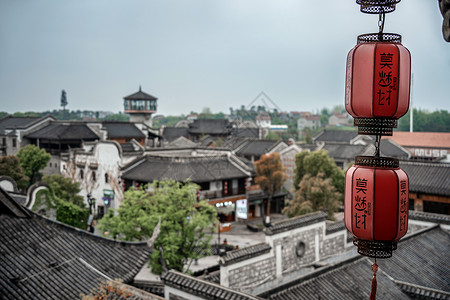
x=310 y=121
x=223 y=178
x=429 y=186
x=13 y=130
x=432 y=146
x=140 y=106
x=44 y=259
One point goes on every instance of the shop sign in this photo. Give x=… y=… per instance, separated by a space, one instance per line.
x=241 y=209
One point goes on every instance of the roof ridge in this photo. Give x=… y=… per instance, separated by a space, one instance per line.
x=418 y=289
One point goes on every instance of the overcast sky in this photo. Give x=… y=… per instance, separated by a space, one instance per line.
x=193 y=54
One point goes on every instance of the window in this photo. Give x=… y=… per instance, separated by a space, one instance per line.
x=106 y=178
x=300 y=249
x=14 y=143
x=81 y=174
x=4 y=141
x=94 y=177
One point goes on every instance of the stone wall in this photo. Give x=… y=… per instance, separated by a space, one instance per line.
x=292 y=252
x=249 y=275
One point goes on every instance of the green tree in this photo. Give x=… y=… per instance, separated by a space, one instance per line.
x=10 y=166
x=316 y=162
x=185 y=227
x=63 y=188
x=117 y=117
x=270 y=177
x=63 y=198
x=324 y=116
x=314 y=193
x=32 y=159
x=437 y=121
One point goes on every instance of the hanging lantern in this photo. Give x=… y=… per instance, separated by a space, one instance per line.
x=378 y=83
x=377 y=88
x=376 y=204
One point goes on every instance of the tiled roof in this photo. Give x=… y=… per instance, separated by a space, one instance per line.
x=156 y=288
x=246 y=132
x=172 y=133
x=391 y=149
x=429 y=217
x=181 y=142
x=332 y=227
x=202 y=288
x=421 y=139
x=10 y=122
x=140 y=95
x=197 y=169
x=428 y=178
x=342 y=136
x=210 y=126
x=344 y=151
x=44 y=259
x=420 y=261
x=350 y=280
x=295 y=222
x=122 y=130
x=238 y=255
x=257 y=147
x=64 y=131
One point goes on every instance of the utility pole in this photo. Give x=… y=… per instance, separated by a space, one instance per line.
x=411 y=111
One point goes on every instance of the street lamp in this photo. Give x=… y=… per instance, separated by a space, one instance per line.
x=91 y=202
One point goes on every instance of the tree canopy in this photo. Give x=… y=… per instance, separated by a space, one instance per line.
x=61 y=200
x=270 y=175
x=185 y=228
x=10 y=166
x=316 y=162
x=32 y=159
x=314 y=193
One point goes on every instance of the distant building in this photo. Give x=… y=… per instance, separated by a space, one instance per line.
x=312 y=121
x=13 y=130
x=140 y=106
x=433 y=146
x=263 y=120
x=192 y=117
x=222 y=177
x=338 y=120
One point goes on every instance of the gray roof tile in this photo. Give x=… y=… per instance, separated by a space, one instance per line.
x=428 y=178
x=202 y=288
x=44 y=259
x=295 y=222
x=197 y=169
x=64 y=132
x=122 y=130
x=238 y=255
x=420 y=261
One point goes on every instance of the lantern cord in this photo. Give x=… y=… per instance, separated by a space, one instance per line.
x=381 y=24
x=377 y=145
x=373 y=292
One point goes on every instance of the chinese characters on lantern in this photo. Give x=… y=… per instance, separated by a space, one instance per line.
x=385 y=80
x=403 y=204
x=361 y=205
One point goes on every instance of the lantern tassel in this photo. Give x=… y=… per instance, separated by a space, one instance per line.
x=373 y=292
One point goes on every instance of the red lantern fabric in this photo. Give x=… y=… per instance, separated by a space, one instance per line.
x=376 y=201
x=378 y=80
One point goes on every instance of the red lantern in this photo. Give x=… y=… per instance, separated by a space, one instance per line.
x=376 y=204
x=378 y=83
